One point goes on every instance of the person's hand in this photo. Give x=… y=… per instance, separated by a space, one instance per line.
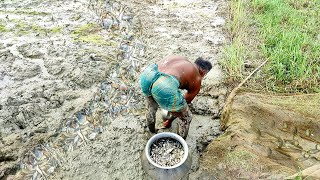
x=167 y=123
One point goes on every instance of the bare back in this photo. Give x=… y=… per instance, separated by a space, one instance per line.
x=185 y=71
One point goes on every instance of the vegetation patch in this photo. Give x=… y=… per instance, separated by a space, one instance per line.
x=3 y=28
x=56 y=30
x=89 y=33
x=38 y=29
x=286 y=32
x=23 y=28
x=240 y=159
x=86 y=30
x=234 y=53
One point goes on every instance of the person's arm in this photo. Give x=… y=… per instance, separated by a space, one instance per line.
x=192 y=92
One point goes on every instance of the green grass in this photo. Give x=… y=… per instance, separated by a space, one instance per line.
x=56 y=30
x=286 y=33
x=235 y=53
x=85 y=29
x=88 y=33
x=22 y=27
x=3 y=28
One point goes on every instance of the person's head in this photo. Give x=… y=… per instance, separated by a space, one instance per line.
x=203 y=65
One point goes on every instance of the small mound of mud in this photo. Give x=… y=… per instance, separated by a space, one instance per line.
x=166 y=152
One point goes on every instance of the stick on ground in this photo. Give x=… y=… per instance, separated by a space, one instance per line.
x=225 y=112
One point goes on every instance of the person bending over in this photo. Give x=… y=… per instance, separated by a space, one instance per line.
x=162 y=82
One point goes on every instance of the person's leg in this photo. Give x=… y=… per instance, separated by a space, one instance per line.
x=184 y=124
x=152 y=108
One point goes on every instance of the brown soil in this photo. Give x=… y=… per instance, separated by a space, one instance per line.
x=266 y=136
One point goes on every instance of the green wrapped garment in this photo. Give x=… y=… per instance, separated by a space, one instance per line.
x=163 y=88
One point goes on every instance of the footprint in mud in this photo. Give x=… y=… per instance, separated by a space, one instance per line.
x=33 y=51
x=22 y=69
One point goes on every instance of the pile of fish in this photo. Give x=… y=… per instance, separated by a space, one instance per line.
x=166 y=152
x=115 y=96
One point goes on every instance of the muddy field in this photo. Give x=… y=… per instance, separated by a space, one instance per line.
x=70 y=104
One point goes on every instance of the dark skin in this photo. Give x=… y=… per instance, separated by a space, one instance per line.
x=188 y=73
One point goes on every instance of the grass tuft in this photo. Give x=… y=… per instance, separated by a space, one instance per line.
x=3 y=28
x=88 y=33
x=235 y=53
x=86 y=29
x=56 y=30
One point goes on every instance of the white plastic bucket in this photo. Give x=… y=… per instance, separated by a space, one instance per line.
x=167 y=135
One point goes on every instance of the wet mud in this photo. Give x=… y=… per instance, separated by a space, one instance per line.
x=70 y=103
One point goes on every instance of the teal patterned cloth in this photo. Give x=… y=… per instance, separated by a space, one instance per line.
x=163 y=88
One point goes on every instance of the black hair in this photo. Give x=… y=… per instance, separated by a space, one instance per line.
x=203 y=64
